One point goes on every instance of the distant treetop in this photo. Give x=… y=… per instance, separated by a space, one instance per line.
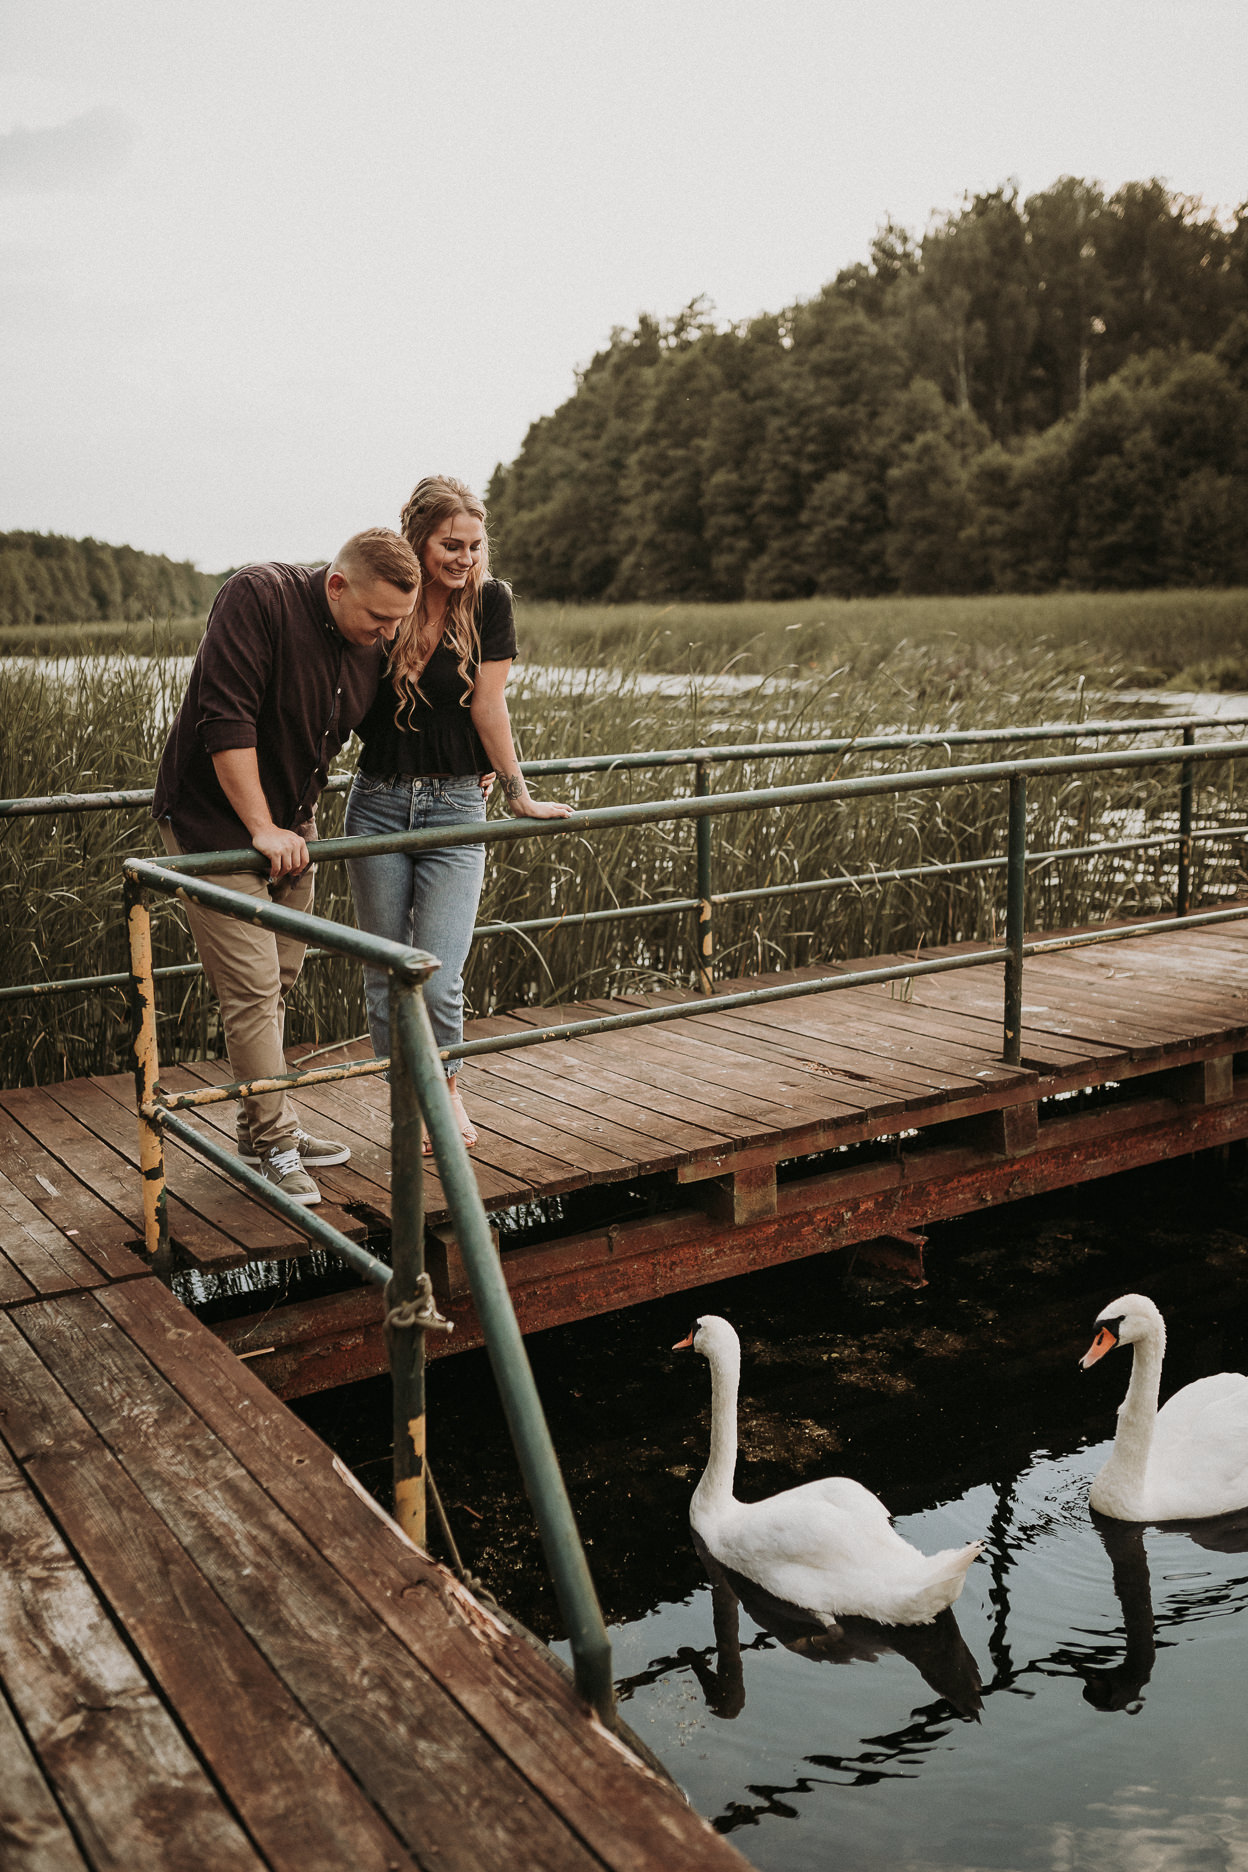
x=1031 y=395
x=48 y=579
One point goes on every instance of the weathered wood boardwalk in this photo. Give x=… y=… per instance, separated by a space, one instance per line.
x=698 y=1115
x=215 y=1653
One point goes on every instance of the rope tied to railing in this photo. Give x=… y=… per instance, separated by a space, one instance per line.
x=419 y=1314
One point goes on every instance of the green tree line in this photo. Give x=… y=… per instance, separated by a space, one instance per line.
x=1035 y=395
x=47 y=579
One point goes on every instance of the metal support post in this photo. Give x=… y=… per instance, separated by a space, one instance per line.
x=1183 y=893
x=142 y=991
x=412 y=1037
x=1016 y=877
x=706 y=928
x=408 y=1285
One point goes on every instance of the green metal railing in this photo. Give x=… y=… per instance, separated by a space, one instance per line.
x=418 y=1094
x=706 y=806
x=704 y=904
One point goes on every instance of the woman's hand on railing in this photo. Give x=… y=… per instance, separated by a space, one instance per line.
x=522 y=805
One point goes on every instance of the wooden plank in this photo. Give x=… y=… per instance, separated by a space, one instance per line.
x=655 y=1133
x=1076 y=979
x=14 y=1286
x=844 y=1087
x=568 y=1068
x=598 y=1120
x=836 y=1091
x=420 y=1759
x=38 y=1250
x=107 y=1104
x=77 y=1211
x=852 y=1123
x=825 y=1032
x=51 y=1113
x=363 y=1182
x=494 y=1161
x=812 y=1095
x=242 y=1721
x=1045 y=1042
x=636 y=1061
x=33 y=1833
x=824 y=1039
x=593 y=1151
x=630 y=1818
x=724 y=1073
x=1140 y=1018
x=134 y=1794
x=931 y=1036
x=1184 y=963
x=368 y=1135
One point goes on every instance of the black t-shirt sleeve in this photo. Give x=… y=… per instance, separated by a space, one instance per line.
x=498 y=623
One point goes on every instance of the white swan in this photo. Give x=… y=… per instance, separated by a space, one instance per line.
x=827 y=1546
x=1184 y=1462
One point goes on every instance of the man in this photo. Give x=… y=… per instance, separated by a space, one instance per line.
x=288 y=667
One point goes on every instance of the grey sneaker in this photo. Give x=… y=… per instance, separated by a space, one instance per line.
x=282 y=1168
x=318 y=1153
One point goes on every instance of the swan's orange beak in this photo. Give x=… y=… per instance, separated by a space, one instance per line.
x=683 y=1345
x=1103 y=1343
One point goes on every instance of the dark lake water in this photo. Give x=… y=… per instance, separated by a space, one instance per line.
x=1084 y=1704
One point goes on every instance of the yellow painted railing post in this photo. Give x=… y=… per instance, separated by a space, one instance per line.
x=706 y=910
x=146 y=1069
x=408 y=1293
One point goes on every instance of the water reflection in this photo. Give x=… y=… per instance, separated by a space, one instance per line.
x=937 y=1651
x=1067 y=1598
x=1121 y=1687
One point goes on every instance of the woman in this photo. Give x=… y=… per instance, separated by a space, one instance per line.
x=433 y=741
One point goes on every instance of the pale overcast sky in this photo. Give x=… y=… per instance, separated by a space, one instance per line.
x=267 y=263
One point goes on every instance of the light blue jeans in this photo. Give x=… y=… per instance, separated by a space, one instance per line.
x=425 y=899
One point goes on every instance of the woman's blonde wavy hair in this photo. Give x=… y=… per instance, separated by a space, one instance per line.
x=432 y=501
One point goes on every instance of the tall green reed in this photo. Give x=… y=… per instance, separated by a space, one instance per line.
x=100 y=726
x=1148 y=637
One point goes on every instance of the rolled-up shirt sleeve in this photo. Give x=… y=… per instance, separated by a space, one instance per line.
x=235 y=668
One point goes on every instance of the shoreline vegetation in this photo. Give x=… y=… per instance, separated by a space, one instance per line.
x=48 y=580
x=1181 y=639
x=820 y=668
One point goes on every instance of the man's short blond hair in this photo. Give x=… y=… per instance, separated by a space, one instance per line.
x=378 y=553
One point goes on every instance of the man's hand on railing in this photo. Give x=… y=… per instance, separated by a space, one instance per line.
x=287 y=852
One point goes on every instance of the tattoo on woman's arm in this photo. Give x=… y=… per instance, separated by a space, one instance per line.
x=512 y=784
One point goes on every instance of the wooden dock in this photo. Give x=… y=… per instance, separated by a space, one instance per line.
x=217 y=1655
x=881 y=1110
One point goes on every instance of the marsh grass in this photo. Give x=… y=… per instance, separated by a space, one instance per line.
x=102 y=728
x=153 y=637
x=1149 y=638
x=1143 y=638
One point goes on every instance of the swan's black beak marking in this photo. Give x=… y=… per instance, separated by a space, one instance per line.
x=686 y=1344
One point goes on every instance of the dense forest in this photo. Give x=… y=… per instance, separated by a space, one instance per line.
x=1035 y=395
x=46 y=579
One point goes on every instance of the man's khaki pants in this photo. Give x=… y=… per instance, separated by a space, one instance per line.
x=251 y=971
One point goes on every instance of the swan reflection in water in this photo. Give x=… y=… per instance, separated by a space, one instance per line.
x=1121 y=1688
x=937 y=1650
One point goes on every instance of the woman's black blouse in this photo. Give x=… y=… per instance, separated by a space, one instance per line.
x=438 y=736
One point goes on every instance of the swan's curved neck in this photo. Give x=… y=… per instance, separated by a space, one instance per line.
x=1137 y=1414
x=717 y=1477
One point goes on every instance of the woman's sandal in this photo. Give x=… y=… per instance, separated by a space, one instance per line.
x=468 y=1130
